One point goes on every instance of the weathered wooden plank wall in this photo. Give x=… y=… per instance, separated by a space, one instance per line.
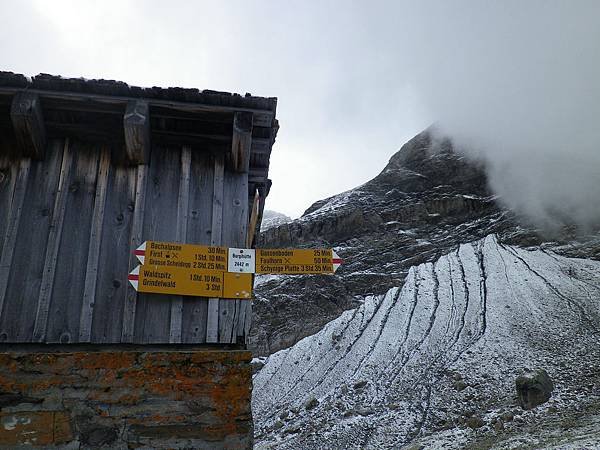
x=135 y=239
x=23 y=286
x=91 y=271
x=66 y=298
x=19 y=191
x=68 y=227
x=212 y=321
x=199 y=230
x=235 y=228
x=7 y=182
x=153 y=311
x=183 y=203
x=115 y=255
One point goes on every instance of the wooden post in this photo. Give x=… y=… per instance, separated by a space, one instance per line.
x=136 y=123
x=241 y=141
x=263 y=191
x=253 y=220
x=28 y=123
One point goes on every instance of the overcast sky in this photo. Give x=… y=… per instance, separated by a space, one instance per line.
x=355 y=80
x=343 y=107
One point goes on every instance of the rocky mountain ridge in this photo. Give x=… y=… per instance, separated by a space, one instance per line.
x=433 y=364
x=272 y=219
x=426 y=202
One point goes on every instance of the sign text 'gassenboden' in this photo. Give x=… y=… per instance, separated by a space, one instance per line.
x=297 y=261
x=161 y=255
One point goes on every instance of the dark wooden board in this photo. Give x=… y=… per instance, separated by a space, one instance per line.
x=153 y=311
x=69 y=278
x=183 y=209
x=91 y=271
x=28 y=123
x=8 y=174
x=235 y=226
x=212 y=317
x=113 y=262
x=136 y=237
x=199 y=227
x=28 y=261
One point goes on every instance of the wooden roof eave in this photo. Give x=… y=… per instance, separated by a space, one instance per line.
x=262 y=118
x=135 y=133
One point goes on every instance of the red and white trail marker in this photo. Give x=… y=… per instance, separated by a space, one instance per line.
x=134 y=277
x=140 y=253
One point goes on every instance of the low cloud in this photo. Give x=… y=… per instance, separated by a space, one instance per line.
x=517 y=85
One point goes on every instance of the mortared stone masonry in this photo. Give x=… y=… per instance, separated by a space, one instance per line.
x=126 y=399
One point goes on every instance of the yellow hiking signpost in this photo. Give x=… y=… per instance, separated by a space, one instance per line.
x=199 y=283
x=297 y=261
x=209 y=271
x=167 y=254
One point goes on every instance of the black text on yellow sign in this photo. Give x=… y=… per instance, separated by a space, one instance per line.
x=184 y=256
x=164 y=255
x=296 y=261
x=192 y=282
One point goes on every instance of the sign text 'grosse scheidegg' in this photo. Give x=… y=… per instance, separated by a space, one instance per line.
x=211 y=271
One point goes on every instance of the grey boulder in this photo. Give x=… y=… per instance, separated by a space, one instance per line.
x=534 y=388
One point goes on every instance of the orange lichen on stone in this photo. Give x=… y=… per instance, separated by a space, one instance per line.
x=128 y=398
x=104 y=360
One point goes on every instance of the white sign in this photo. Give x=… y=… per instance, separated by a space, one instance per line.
x=241 y=260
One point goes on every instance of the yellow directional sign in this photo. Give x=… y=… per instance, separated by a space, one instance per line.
x=297 y=261
x=210 y=271
x=184 y=281
x=187 y=256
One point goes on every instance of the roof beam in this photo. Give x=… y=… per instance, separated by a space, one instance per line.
x=28 y=123
x=136 y=123
x=241 y=141
x=262 y=118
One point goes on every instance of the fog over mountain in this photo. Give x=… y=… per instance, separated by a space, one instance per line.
x=517 y=82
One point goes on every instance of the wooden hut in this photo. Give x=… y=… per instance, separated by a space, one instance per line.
x=89 y=169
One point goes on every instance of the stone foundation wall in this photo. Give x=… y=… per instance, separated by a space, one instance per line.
x=126 y=399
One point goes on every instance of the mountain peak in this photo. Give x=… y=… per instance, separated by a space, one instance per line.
x=430 y=161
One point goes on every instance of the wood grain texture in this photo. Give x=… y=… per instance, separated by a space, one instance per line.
x=183 y=203
x=195 y=309
x=17 y=196
x=84 y=217
x=152 y=317
x=130 y=305
x=28 y=124
x=22 y=293
x=91 y=272
x=212 y=320
x=112 y=288
x=8 y=176
x=235 y=228
x=241 y=141
x=52 y=247
x=70 y=269
x=253 y=219
x=136 y=125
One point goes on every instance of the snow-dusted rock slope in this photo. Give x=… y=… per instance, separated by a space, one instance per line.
x=434 y=363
